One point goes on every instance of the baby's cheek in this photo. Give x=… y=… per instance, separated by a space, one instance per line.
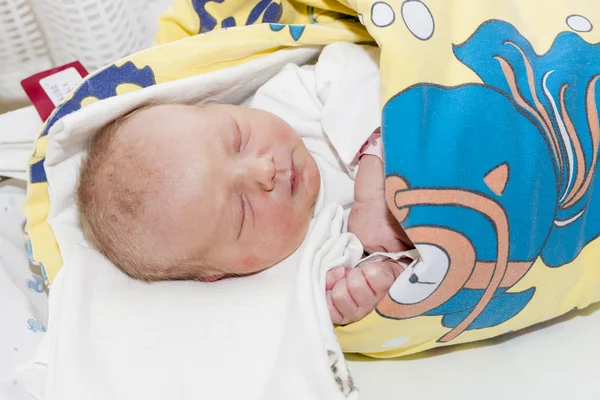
x=249 y=263
x=285 y=227
x=293 y=223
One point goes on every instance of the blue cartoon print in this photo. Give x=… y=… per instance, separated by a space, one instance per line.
x=493 y=175
x=296 y=31
x=34 y=326
x=270 y=11
x=207 y=21
x=35 y=284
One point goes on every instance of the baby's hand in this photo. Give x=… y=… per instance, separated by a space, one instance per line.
x=353 y=293
x=370 y=219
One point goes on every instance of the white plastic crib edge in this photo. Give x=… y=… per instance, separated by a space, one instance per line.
x=20 y=126
x=18 y=130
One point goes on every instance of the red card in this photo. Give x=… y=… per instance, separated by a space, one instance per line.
x=47 y=89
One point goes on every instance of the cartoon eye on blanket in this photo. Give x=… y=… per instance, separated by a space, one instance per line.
x=420 y=280
x=492 y=176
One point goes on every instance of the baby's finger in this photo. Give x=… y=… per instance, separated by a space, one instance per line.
x=333 y=276
x=380 y=277
x=343 y=301
x=359 y=288
x=334 y=314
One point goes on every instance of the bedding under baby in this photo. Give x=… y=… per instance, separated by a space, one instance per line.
x=266 y=336
x=491 y=138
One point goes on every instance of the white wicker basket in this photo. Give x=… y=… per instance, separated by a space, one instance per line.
x=38 y=34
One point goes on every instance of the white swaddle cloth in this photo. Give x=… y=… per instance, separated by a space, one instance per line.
x=267 y=336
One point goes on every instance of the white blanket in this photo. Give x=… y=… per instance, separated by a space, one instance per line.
x=263 y=337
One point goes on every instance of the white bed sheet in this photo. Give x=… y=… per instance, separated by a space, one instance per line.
x=23 y=301
x=555 y=360
x=559 y=359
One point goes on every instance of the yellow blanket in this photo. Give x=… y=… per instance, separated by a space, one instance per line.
x=491 y=136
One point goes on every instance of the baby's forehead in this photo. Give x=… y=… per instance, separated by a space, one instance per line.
x=174 y=136
x=178 y=119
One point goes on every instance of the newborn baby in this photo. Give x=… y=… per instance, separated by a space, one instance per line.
x=216 y=191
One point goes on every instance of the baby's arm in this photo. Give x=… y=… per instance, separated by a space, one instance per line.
x=370 y=219
x=354 y=293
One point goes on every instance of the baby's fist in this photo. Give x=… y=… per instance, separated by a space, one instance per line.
x=354 y=293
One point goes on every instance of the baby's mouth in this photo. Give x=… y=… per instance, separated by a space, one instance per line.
x=293 y=179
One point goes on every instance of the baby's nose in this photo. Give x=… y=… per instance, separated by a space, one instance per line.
x=263 y=172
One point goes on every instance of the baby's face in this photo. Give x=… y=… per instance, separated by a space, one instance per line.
x=240 y=185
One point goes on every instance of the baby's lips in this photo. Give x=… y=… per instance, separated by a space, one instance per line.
x=294 y=178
